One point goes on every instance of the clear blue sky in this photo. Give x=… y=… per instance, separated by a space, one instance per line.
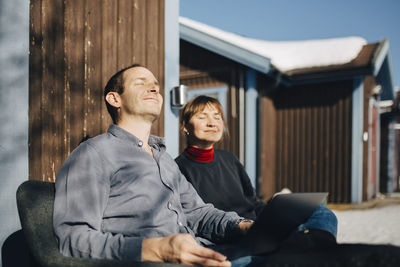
x=287 y=20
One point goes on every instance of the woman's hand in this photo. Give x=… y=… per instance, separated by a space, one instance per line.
x=181 y=248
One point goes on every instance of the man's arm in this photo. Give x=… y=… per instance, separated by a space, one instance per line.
x=82 y=191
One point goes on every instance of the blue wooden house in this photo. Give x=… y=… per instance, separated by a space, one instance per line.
x=303 y=115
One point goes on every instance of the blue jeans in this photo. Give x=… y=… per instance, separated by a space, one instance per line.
x=322 y=219
x=248 y=261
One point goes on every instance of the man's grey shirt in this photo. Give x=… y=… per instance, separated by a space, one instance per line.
x=111 y=194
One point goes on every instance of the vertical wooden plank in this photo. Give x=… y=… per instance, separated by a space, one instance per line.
x=283 y=144
x=47 y=140
x=347 y=155
x=294 y=175
x=152 y=36
x=338 y=143
x=315 y=143
x=161 y=59
x=285 y=139
x=303 y=149
x=152 y=23
x=292 y=131
x=348 y=109
x=268 y=144
x=330 y=125
x=234 y=124
x=297 y=176
x=67 y=87
x=339 y=140
x=334 y=144
x=93 y=66
x=293 y=140
x=279 y=146
x=52 y=85
x=58 y=104
x=35 y=89
x=109 y=53
x=139 y=32
x=124 y=33
x=47 y=81
x=74 y=73
x=366 y=147
x=320 y=141
x=308 y=148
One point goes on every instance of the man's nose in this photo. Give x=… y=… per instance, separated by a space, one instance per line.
x=155 y=89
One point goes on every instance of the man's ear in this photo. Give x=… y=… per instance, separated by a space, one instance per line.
x=113 y=99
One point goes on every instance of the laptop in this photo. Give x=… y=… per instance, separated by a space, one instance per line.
x=278 y=219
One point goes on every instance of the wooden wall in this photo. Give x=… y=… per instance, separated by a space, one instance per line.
x=370 y=146
x=306 y=140
x=75 y=47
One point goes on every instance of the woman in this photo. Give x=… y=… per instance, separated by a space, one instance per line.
x=217 y=175
x=220 y=178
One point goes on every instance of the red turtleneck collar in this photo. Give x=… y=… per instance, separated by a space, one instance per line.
x=200 y=154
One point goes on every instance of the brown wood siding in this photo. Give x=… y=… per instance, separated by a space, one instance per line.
x=267 y=167
x=75 y=47
x=369 y=84
x=206 y=70
x=312 y=147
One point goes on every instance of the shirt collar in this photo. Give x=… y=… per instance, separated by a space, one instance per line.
x=154 y=141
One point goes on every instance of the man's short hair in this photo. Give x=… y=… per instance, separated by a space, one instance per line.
x=116 y=84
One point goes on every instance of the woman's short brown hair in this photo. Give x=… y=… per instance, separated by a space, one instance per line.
x=198 y=104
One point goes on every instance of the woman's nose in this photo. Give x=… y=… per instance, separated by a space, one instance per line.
x=211 y=122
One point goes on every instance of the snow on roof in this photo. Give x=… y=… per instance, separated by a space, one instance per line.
x=289 y=55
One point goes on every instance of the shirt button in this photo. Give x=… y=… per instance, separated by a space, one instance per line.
x=140 y=143
x=169 y=205
x=167 y=185
x=180 y=224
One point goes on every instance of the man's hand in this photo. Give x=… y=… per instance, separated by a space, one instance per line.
x=181 y=248
x=245 y=225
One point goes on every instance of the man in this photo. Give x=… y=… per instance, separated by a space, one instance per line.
x=121 y=196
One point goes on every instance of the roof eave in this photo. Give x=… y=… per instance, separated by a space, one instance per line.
x=382 y=69
x=328 y=76
x=379 y=56
x=226 y=49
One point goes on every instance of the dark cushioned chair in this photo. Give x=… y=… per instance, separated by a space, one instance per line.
x=35 y=200
x=15 y=253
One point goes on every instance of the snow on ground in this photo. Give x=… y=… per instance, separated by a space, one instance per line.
x=379 y=225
